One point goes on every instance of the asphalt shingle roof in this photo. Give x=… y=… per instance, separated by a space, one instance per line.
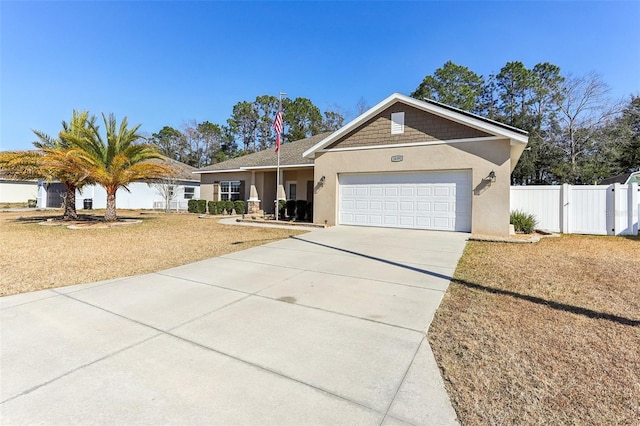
x=290 y=154
x=185 y=171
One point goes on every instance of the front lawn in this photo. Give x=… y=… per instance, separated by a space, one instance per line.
x=545 y=333
x=35 y=257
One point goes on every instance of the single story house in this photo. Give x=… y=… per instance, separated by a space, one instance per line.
x=17 y=191
x=140 y=195
x=404 y=163
x=625 y=179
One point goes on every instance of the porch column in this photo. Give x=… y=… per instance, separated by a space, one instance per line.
x=280 y=194
x=253 y=203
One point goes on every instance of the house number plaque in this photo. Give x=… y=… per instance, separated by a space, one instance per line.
x=396 y=158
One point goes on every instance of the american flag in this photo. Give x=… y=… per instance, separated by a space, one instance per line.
x=277 y=127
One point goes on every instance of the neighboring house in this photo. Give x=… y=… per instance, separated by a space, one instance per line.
x=404 y=163
x=625 y=178
x=17 y=191
x=141 y=195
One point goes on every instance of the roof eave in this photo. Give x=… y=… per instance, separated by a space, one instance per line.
x=516 y=136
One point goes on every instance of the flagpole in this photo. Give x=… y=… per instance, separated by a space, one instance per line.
x=278 y=165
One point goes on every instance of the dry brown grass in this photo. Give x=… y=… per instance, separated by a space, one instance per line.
x=35 y=257
x=546 y=333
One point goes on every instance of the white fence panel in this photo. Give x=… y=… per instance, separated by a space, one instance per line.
x=581 y=209
x=545 y=202
x=588 y=210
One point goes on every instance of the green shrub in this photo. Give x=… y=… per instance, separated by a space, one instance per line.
x=300 y=209
x=216 y=207
x=192 y=206
x=201 y=206
x=523 y=222
x=291 y=208
x=228 y=206
x=239 y=207
x=212 y=207
x=282 y=205
x=309 y=212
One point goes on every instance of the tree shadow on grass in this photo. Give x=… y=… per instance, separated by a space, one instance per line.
x=589 y=313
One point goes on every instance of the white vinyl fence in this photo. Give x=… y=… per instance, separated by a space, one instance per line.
x=581 y=209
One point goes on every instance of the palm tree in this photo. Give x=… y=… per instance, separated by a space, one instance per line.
x=117 y=161
x=52 y=161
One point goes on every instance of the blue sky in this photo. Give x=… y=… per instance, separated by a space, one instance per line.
x=164 y=63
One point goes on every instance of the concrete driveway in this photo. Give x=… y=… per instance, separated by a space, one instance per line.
x=325 y=328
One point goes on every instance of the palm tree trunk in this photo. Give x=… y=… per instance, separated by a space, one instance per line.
x=70 y=212
x=110 y=213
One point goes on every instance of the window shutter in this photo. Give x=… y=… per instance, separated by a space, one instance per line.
x=242 y=194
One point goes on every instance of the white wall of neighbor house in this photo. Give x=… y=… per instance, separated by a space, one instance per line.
x=141 y=195
x=581 y=209
x=17 y=191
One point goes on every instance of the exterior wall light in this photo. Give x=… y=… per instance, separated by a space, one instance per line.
x=491 y=178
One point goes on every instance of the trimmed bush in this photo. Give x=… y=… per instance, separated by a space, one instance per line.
x=239 y=207
x=212 y=207
x=309 y=212
x=201 y=206
x=300 y=209
x=523 y=222
x=282 y=205
x=228 y=206
x=218 y=207
x=291 y=208
x=192 y=206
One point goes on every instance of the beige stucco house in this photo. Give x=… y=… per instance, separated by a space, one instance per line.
x=405 y=163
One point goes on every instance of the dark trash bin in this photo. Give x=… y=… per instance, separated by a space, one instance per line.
x=88 y=203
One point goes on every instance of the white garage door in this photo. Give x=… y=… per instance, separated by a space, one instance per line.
x=425 y=200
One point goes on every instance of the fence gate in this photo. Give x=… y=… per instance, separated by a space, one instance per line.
x=581 y=209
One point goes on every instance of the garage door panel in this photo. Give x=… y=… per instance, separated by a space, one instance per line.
x=391 y=206
x=407 y=191
x=407 y=221
x=357 y=204
x=407 y=206
x=424 y=191
x=442 y=207
x=391 y=191
x=427 y=200
x=375 y=191
x=375 y=219
x=375 y=205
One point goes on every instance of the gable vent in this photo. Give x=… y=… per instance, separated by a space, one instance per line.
x=397 y=123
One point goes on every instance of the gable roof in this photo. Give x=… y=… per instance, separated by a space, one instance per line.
x=290 y=155
x=624 y=178
x=184 y=171
x=516 y=136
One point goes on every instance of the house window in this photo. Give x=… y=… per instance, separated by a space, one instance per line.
x=292 y=188
x=397 y=123
x=230 y=190
x=189 y=192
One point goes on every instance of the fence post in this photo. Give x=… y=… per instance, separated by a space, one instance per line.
x=564 y=199
x=618 y=210
x=633 y=214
